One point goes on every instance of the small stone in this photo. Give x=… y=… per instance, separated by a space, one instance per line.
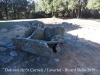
x=13 y=53
x=68 y=37
x=22 y=54
x=56 y=59
x=57 y=38
x=6 y=59
x=58 y=48
x=17 y=36
x=6 y=43
x=3 y=49
x=12 y=47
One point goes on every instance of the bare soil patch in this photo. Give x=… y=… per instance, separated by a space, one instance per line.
x=79 y=54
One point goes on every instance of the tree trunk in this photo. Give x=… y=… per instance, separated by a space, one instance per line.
x=14 y=9
x=6 y=9
x=1 y=17
x=79 y=13
x=52 y=13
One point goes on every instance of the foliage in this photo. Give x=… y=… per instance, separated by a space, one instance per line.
x=52 y=6
x=16 y=9
x=94 y=4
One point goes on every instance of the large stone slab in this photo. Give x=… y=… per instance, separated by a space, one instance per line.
x=37 y=34
x=51 y=32
x=29 y=31
x=33 y=46
x=36 y=23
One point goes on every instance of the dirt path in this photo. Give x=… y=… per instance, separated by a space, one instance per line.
x=79 y=55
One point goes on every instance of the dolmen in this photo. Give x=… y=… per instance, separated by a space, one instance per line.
x=40 y=40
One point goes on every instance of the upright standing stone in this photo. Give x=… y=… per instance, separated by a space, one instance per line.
x=51 y=32
x=38 y=34
x=29 y=31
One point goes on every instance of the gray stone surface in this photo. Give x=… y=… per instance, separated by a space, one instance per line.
x=3 y=49
x=29 y=31
x=6 y=42
x=56 y=60
x=58 y=48
x=14 y=53
x=51 y=32
x=33 y=46
x=36 y=23
x=38 y=34
x=57 y=38
x=22 y=54
x=6 y=59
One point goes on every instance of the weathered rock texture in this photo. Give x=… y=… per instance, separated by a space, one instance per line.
x=36 y=23
x=33 y=25
x=51 y=32
x=34 y=36
x=29 y=31
x=33 y=46
x=38 y=34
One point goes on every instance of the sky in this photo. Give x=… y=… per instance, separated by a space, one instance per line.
x=32 y=0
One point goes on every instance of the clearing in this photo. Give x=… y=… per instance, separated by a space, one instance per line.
x=79 y=55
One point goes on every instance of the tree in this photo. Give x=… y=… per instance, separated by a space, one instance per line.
x=94 y=4
x=94 y=8
x=52 y=6
x=77 y=6
x=1 y=9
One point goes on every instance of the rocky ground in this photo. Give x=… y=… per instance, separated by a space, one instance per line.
x=79 y=53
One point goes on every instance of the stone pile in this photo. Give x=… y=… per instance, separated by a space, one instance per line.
x=40 y=40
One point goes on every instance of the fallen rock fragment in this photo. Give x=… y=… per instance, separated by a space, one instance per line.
x=58 y=48
x=6 y=59
x=57 y=38
x=6 y=43
x=3 y=49
x=56 y=60
x=13 y=53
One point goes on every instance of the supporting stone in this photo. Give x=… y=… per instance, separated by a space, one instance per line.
x=51 y=32
x=29 y=31
x=37 y=34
